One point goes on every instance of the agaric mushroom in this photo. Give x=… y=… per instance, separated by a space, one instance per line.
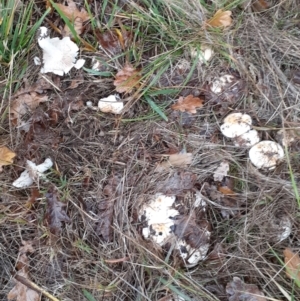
x=266 y=154
x=236 y=124
x=247 y=139
x=33 y=172
x=59 y=56
x=111 y=104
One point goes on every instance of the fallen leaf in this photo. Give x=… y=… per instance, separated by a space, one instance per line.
x=260 y=5
x=106 y=208
x=292 y=264
x=114 y=41
x=127 y=79
x=78 y=17
x=177 y=183
x=6 y=156
x=21 y=292
x=225 y=190
x=220 y=19
x=175 y=160
x=25 y=103
x=56 y=213
x=238 y=290
x=188 y=104
x=221 y=171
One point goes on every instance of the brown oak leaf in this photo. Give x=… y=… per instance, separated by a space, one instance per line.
x=25 y=103
x=188 y=104
x=6 y=156
x=292 y=263
x=78 y=17
x=127 y=79
x=56 y=213
x=220 y=19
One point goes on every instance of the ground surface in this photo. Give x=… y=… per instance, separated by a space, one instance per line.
x=106 y=166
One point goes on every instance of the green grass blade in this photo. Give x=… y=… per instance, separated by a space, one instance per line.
x=156 y=108
x=88 y=295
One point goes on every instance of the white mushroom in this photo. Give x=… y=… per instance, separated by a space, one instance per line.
x=219 y=84
x=190 y=255
x=111 y=104
x=266 y=154
x=236 y=124
x=247 y=139
x=32 y=173
x=159 y=217
x=204 y=55
x=59 y=56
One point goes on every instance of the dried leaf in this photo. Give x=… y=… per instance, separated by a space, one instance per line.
x=221 y=171
x=21 y=292
x=175 y=160
x=25 y=103
x=56 y=213
x=238 y=290
x=225 y=190
x=106 y=208
x=114 y=41
x=292 y=263
x=177 y=183
x=127 y=79
x=260 y=5
x=6 y=156
x=220 y=19
x=188 y=104
x=78 y=17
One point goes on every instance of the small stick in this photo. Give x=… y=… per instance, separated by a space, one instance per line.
x=35 y=287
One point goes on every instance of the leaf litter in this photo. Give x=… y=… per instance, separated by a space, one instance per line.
x=220 y=194
x=21 y=292
x=188 y=104
x=6 y=157
x=56 y=213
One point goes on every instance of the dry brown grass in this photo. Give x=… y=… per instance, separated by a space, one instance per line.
x=263 y=48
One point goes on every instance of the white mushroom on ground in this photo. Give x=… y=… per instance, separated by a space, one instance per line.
x=32 y=173
x=111 y=104
x=159 y=217
x=219 y=84
x=204 y=55
x=236 y=124
x=165 y=226
x=59 y=55
x=247 y=139
x=266 y=154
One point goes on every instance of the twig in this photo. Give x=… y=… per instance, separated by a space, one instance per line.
x=35 y=287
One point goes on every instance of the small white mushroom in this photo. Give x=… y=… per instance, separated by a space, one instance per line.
x=204 y=55
x=219 y=84
x=266 y=154
x=32 y=173
x=247 y=139
x=59 y=56
x=236 y=124
x=111 y=104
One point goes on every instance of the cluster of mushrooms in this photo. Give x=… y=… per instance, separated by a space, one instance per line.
x=263 y=154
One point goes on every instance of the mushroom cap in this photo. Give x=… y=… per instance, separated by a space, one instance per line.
x=220 y=83
x=110 y=104
x=159 y=217
x=236 y=124
x=204 y=55
x=59 y=55
x=266 y=154
x=247 y=139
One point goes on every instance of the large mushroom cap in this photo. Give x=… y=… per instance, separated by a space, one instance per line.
x=247 y=139
x=236 y=124
x=266 y=154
